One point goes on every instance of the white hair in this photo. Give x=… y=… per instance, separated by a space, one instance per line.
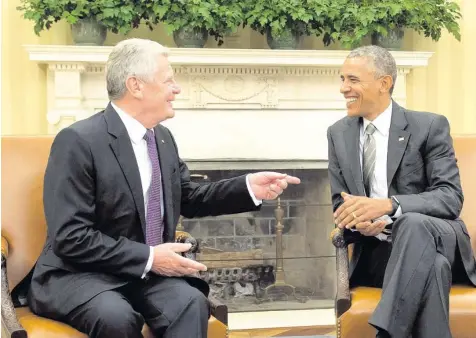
x=132 y=57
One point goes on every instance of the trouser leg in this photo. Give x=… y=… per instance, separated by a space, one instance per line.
x=172 y=308
x=109 y=314
x=416 y=241
x=433 y=318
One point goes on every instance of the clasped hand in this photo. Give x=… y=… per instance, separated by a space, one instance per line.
x=168 y=261
x=361 y=212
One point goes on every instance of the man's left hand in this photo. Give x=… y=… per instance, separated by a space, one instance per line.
x=269 y=185
x=359 y=209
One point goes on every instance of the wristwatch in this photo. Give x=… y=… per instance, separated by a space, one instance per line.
x=395 y=205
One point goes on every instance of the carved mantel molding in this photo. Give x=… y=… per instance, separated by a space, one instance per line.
x=300 y=87
x=219 y=56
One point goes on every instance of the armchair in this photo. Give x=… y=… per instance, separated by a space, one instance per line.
x=24 y=233
x=355 y=306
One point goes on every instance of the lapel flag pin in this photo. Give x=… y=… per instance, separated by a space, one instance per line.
x=401 y=138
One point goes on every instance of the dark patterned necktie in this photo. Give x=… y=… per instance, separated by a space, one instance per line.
x=154 y=221
x=369 y=157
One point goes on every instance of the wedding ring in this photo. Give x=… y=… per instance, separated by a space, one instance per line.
x=353 y=214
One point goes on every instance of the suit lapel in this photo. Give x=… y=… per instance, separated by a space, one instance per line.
x=122 y=148
x=397 y=141
x=351 y=136
x=166 y=178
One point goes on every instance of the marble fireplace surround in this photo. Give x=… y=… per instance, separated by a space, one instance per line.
x=250 y=108
x=238 y=109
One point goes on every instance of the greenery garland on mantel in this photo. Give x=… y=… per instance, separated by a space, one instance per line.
x=345 y=21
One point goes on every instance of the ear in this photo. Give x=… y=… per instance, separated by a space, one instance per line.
x=386 y=84
x=135 y=87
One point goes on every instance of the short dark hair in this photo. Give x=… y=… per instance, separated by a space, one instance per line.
x=382 y=59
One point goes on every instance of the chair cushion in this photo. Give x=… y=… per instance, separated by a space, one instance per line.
x=216 y=329
x=354 y=322
x=39 y=327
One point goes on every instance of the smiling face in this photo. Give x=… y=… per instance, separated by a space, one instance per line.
x=159 y=94
x=153 y=99
x=366 y=94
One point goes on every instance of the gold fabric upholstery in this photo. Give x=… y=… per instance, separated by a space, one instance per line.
x=353 y=323
x=24 y=161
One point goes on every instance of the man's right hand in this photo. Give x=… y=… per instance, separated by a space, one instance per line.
x=167 y=262
x=371 y=228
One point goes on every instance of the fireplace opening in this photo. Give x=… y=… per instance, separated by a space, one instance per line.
x=277 y=258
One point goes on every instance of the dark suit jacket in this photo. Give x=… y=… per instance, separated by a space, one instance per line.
x=94 y=209
x=422 y=172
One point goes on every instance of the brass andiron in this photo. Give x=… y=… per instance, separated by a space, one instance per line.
x=280 y=286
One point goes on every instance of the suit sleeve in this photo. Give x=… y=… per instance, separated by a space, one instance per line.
x=336 y=178
x=444 y=196
x=69 y=205
x=227 y=196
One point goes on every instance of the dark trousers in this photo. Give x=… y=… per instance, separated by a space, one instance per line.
x=415 y=274
x=372 y=263
x=170 y=306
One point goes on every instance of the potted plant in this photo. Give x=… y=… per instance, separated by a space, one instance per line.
x=90 y=19
x=385 y=21
x=285 y=21
x=348 y=23
x=192 y=21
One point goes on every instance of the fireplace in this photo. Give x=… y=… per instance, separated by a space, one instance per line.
x=243 y=110
x=241 y=250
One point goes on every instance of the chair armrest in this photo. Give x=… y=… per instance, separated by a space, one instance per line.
x=217 y=308
x=343 y=293
x=10 y=322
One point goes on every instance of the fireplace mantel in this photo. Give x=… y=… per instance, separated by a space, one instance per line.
x=252 y=105
x=218 y=56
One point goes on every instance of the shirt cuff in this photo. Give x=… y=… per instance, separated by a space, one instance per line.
x=149 y=263
x=253 y=197
x=398 y=213
x=386 y=218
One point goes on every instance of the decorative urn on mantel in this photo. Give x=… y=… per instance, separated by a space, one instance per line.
x=293 y=92
x=88 y=32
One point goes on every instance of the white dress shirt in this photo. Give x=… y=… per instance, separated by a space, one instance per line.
x=136 y=133
x=378 y=187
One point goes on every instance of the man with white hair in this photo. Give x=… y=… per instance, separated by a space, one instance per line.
x=114 y=189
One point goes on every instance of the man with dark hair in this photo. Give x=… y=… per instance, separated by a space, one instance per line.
x=396 y=191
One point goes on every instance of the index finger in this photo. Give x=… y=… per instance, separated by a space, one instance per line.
x=292 y=179
x=363 y=225
x=180 y=247
x=374 y=227
x=191 y=264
